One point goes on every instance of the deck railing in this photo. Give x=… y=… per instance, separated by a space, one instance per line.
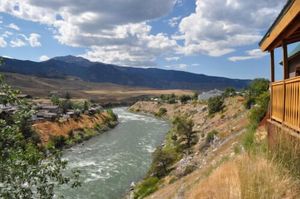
x=285 y=102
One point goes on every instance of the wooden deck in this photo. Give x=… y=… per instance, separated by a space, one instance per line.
x=285 y=102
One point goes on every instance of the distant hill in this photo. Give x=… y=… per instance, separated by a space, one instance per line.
x=62 y=67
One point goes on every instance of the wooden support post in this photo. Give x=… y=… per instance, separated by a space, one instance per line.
x=285 y=75
x=272 y=80
x=272 y=66
x=285 y=61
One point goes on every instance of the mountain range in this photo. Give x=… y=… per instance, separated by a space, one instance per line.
x=66 y=66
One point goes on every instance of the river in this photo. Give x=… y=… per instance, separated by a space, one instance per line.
x=110 y=162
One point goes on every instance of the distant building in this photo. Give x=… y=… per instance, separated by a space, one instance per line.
x=210 y=94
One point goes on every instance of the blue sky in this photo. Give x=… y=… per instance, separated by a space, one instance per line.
x=213 y=37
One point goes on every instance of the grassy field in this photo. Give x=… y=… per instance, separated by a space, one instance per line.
x=101 y=92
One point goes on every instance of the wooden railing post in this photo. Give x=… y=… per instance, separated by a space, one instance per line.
x=285 y=75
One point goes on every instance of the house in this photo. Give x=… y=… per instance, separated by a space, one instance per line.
x=210 y=94
x=285 y=94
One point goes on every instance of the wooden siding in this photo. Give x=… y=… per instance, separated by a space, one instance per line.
x=285 y=102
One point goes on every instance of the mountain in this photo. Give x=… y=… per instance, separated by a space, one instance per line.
x=62 y=67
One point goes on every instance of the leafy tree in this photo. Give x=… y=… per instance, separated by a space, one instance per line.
x=215 y=104
x=184 y=127
x=161 y=162
x=27 y=169
x=255 y=89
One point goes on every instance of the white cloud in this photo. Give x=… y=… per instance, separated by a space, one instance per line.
x=16 y=43
x=251 y=54
x=118 y=28
x=7 y=34
x=173 y=22
x=13 y=26
x=44 y=58
x=172 y=58
x=3 y=43
x=217 y=27
x=34 y=40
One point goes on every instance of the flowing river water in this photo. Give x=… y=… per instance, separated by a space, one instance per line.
x=110 y=162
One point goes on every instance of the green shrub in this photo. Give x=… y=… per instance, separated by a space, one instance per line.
x=184 y=98
x=229 y=92
x=162 y=160
x=58 y=141
x=161 y=112
x=112 y=115
x=211 y=136
x=215 y=104
x=148 y=186
x=184 y=128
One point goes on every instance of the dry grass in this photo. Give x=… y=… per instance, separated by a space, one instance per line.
x=247 y=177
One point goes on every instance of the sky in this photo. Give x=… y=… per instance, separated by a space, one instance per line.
x=212 y=37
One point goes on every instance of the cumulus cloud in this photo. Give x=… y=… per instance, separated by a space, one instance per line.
x=250 y=54
x=16 y=43
x=13 y=26
x=217 y=27
x=3 y=43
x=43 y=58
x=113 y=31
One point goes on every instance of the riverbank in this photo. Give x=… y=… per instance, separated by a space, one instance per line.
x=74 y=130
x=217 y=137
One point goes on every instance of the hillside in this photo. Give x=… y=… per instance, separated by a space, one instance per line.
x=217 y=165
x=101 y=92
x=62 y=67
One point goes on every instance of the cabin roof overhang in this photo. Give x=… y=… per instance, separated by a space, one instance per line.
x=286 y=28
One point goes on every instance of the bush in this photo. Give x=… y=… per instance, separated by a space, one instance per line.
x=162 y=160
x=161 y=112
x=58 y=141
x=229 y=92
x=112 y=115
x=255 y=89
x=184 y=98
x=215 y=104
x=259 y=112
x=211 y=136
x=184 y=127
x=148 y=186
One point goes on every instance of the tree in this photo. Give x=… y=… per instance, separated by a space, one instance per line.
x=184 y=127
x=256 y=88
x=161 y=161
x=27 y=169
x=215 y=104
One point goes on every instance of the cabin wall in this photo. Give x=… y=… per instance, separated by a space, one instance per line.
x=293 y=65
